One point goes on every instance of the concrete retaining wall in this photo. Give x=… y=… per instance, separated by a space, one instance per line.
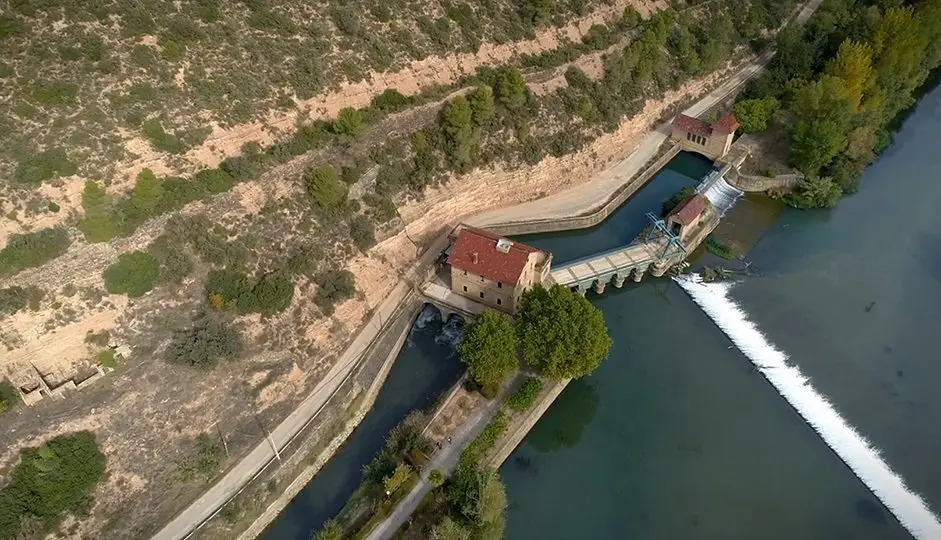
x=593 y=218
x=750 y=183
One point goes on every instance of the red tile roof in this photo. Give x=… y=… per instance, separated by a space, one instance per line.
x=690 y=209
x=726 y=124
x=693 y=125
x=476 y=251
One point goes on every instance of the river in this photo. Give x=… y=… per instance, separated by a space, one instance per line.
x=679 y=436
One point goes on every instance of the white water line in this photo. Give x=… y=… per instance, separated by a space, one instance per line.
x=858 y=454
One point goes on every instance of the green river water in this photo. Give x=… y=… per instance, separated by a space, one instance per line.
x=678 y=436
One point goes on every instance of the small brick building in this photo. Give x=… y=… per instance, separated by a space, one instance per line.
x=710 y=140
x=494 y=270
x=686 y=215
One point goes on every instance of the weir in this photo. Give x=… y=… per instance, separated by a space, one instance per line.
x=856 y=452
x=718 y=191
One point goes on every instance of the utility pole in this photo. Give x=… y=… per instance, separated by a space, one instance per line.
x=270 y=439
x=221 y=436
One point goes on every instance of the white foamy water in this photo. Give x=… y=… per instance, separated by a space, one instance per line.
x=864 y=459
x=719 y=192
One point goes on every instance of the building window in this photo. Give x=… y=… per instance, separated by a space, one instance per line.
x=465 y=288
x=481 y=279
x=499 y=302
x=481 y=295
x=499 y=284
x=465 y=272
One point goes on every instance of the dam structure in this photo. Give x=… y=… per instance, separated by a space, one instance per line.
x=664 y=243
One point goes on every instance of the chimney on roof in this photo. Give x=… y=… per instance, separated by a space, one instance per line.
x=475 y=257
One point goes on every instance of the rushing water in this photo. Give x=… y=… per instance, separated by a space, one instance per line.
x=680 y=436
x=426 y=366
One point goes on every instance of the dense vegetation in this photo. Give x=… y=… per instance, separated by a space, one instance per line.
x=561 y=334
x=206 y=343
x=488 y=349
x=525 y=396
x=840 y=82
x=230 y=289
x=133 y=274
x=32 y=249
x=9 y=397
x=15 y=298
x=48 y=483
x=204 y=462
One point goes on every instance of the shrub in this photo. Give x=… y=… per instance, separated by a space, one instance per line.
x=106 y=358
x=754 y=114
x=324 y=189
x=331 y=530
x=363 y=232
x=526 y=395
x=349 y=122
x=719 y=249
x=390 y=101
x=435 y=478
x=98 y=338
x=333 y=286
x=100 y=222
x=815 y=192
x=32 y=249
x=50 y=481
x=160 y=139
x=9 y=397
x=346 y=19
x=15 y=298
x=304 y=260
x=230 y=289
x=204 y=462
x=134 y=274
x=383 y=209
x=55 y=92
x=43 y=166
x=214 y=180
x=478 y=449
x=350 y=175
x=203 y=345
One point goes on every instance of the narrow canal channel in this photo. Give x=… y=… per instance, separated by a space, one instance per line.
x=426 y=366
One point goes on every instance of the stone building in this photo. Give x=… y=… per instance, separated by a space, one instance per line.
x=687 y=215
x=494 y=270
x=710 y=140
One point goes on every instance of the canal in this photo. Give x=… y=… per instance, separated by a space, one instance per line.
x=677 y=435
x=426 y=366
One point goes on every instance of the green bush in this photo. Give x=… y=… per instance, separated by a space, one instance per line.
x=815 y=192
x=9 y=397
x=100 y=223
x=49 y=482
x=43 y=166
x=55 y=92
x=204 y=462
x=346 y=19
x=383 y=209
x=349 y=122
x=230 y=289
x=134 y=274
x=478 y=449
x=435 y=478
x=526 y=395
x=331 y=530
x=755 y=114
x=160 y=139
x=214 y=181
x=203 y=345
x=15 y=298
x=324 y=189
x=106 y=358
x=363 y=232
x=390 y=101
x=333 y=286
x=32 y=249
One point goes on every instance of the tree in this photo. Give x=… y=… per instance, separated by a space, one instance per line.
x=753 y=115
x=853 y=64
x=349 y=122
x=488 y=348
x=815 y=192
x=815 y=144
x=435 y=478
x=324 y=189
x=561 y=333
x=448 y=529
x=363 y=232
x=511 y=89
x=457 y=122
x=333 y=286
x=537 y=12
x=481 y=104
x=397 y=479
x=331 y=530
x=147 y=194
x=49 y=482
x=203 y=345
x=98 y=224
x=134 y=274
